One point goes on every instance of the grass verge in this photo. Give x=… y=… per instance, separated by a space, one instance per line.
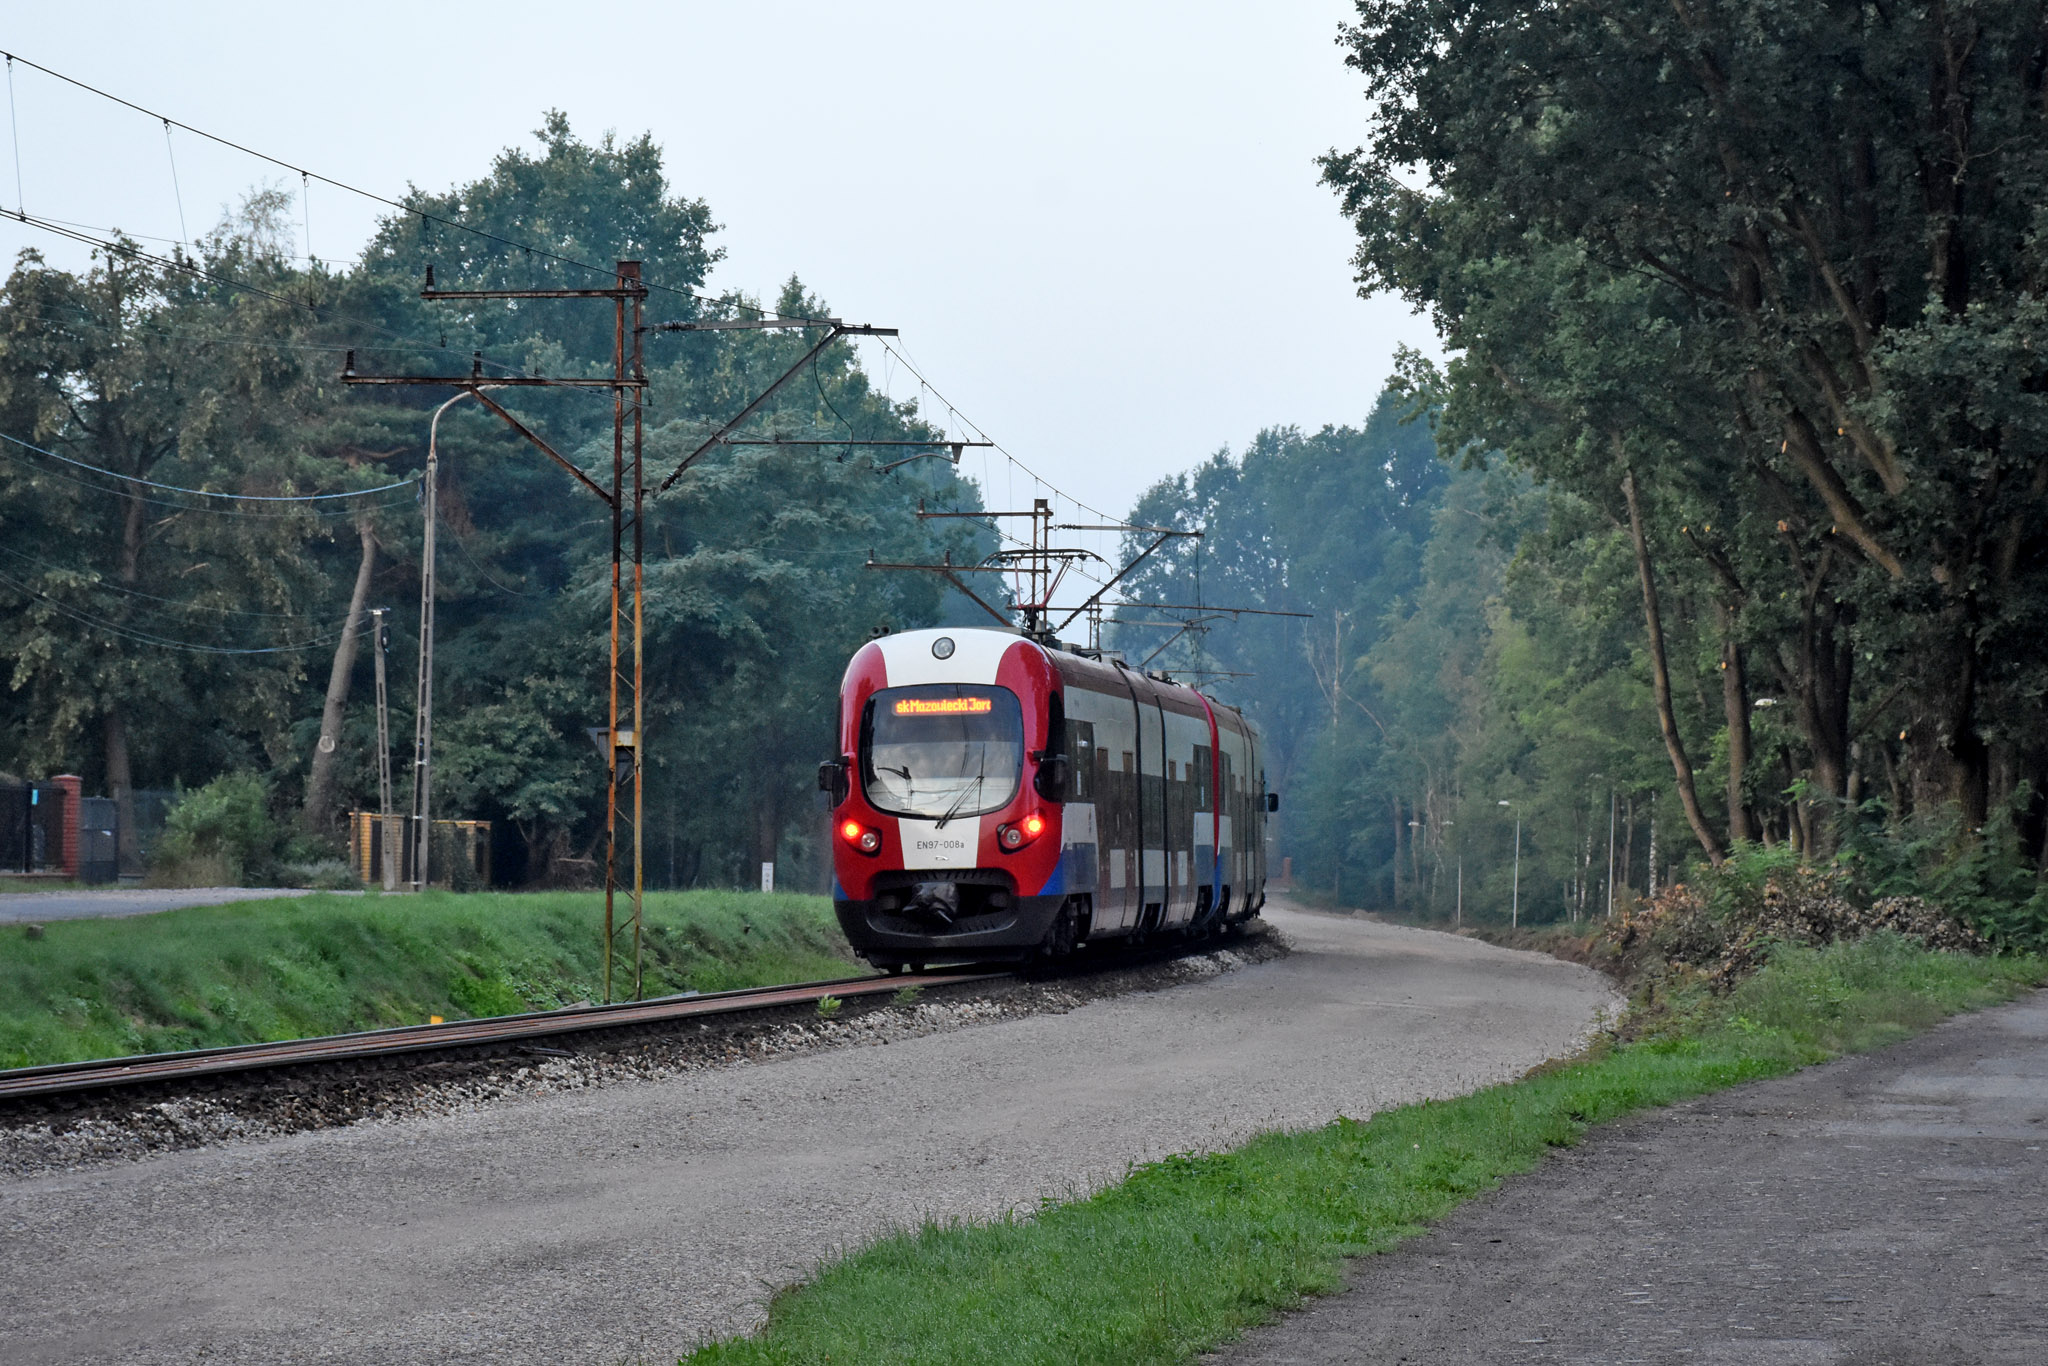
x=258 y=970
x=1184 y=1253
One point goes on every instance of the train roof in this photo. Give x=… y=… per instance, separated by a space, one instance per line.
x=1066 y=656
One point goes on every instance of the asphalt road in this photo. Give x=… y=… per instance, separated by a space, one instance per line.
x=627 y=1223
x=1884 y=1210
x=17 y=908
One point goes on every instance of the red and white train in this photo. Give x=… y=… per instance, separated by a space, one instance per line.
x=995 y=798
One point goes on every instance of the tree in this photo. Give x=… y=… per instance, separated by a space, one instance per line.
x=1779 y=271
x=137 y=608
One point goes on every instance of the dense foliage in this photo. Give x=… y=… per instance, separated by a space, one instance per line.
x=1760 y=288
x=161 y=638
x=1742 y=309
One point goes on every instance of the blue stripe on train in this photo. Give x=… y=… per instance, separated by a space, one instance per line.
x=1076 y=871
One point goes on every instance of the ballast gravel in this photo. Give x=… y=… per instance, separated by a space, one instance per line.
x=74 y=1133
x=553 y=1219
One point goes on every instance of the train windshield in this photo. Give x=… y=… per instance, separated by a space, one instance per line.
x=938 y=751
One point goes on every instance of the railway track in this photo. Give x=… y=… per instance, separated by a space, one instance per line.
x=112 y=1074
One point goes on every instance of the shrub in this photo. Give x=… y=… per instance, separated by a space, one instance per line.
x=1724 y=922
x=221 y=834
x=1981 y=875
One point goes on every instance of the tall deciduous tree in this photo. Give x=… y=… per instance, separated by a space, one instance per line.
x=1784 y=264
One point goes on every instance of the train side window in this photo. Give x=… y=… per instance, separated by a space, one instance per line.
x=1081 y=735
x=1201 y=772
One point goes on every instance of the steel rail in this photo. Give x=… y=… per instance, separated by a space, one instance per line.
x=101 y=1074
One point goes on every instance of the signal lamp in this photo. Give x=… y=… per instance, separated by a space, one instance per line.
x=860 y=836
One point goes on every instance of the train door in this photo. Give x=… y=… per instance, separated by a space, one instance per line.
x=1184 y=737
x=1152 y=874
x=1255 y=835
x=1120 y=764
x=1206 y=866
x=1227 y=823
x=1100 y=728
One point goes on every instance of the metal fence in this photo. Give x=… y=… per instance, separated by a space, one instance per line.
x=31 y=828
x=99 y=843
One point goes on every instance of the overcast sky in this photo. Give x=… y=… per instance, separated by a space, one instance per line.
x=1098 y=225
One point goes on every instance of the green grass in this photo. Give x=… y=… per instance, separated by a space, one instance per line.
x=258 y=970
x=1184 y=1253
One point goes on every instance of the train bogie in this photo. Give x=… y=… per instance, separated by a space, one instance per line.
x=994 y=798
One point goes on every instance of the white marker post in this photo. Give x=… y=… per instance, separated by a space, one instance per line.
x=767 y=877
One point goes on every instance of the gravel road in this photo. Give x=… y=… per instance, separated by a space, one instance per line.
x=626 y=1223
x=1884 y=1210
x=27 y=907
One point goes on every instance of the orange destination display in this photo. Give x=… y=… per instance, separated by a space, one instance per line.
x=943 y=706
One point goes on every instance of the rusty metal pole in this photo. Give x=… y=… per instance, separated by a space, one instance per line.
x=629 y=493
x=621 y=743
x=630 y=271
x=611 y=801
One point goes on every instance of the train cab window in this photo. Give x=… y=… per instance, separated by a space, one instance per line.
x=937 y=751
x=1081 y=737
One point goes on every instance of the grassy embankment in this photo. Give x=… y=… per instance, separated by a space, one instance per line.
x=282 y=969
x=1184 y=1253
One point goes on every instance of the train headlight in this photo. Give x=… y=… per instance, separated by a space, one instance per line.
x=861 y=837
x=1015 y=837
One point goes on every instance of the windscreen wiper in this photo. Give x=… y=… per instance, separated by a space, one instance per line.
x=965 y=792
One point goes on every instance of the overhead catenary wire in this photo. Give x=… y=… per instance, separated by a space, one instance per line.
x=411 y=210
x=308 y=175
x=424 y=216
x=184 y=233
x=14 y=128
x=953 y=412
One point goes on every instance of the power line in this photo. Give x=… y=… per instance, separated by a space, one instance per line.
x=113 y=628
x=305 y=175
x=209 y=493
x=188 y=266
x=26 y=463
x=100 y=583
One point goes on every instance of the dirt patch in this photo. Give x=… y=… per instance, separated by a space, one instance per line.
x=70 y=1132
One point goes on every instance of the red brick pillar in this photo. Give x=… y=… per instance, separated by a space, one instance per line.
x=74 y=788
